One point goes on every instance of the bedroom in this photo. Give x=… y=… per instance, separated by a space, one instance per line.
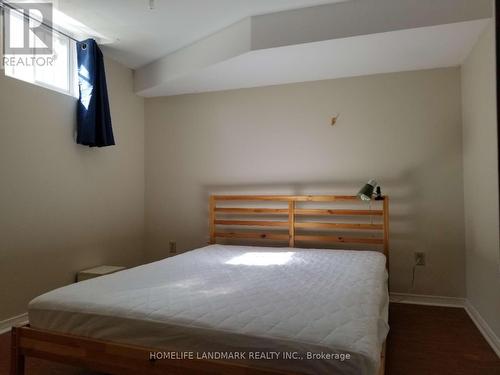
x=291 y=102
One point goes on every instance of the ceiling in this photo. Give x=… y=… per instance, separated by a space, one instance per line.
x=405 y=50
x=189 y=46
x=139 y=35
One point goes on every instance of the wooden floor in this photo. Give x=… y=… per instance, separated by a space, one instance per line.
x=429 y=340
x=424 y=340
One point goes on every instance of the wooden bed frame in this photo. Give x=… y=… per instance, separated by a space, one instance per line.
x=301 y=227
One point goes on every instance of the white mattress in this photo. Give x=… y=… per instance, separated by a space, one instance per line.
x=234 y=298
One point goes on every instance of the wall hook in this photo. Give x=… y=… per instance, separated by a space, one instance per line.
x=335 y=117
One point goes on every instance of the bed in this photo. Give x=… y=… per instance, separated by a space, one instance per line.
x=232 y=309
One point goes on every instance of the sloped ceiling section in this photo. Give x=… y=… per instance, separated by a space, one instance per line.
x=353 y=38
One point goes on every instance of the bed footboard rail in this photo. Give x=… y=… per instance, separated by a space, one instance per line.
x=110 y=357
x=116 y=358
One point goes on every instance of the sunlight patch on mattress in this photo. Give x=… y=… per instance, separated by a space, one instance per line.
x=262 y=259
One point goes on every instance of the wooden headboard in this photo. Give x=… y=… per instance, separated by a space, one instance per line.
x=286 y=218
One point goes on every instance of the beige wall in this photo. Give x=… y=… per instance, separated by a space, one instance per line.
x=65 y=207
x=481 y=180
x=404 y=129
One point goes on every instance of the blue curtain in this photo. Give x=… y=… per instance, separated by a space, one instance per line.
x=93 y=116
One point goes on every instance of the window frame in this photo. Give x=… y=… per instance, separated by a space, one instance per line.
x=72 y=78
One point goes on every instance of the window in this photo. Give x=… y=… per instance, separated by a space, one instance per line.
x=56 y=72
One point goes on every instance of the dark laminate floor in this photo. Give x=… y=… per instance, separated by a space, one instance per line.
x=423 y=340
x=437 y=341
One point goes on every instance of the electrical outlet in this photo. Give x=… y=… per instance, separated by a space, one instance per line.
x=420 y=259
x=172 y=246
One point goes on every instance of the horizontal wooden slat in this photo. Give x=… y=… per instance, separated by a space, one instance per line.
x=253 y=223
x=339 y=226
x=322 y=212
x=235 y=210
x=339 y=229
x=338 y=239
x=286 y=198
x=253 y=235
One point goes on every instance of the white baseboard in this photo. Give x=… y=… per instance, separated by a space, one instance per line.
x=7 y=324
x=483 y=327
x=420 y=299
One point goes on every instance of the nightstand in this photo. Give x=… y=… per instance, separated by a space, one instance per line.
x=96 y=272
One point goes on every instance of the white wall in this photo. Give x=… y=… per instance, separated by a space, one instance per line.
x=66 y=207
x=481 y=180
x=404 y=129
